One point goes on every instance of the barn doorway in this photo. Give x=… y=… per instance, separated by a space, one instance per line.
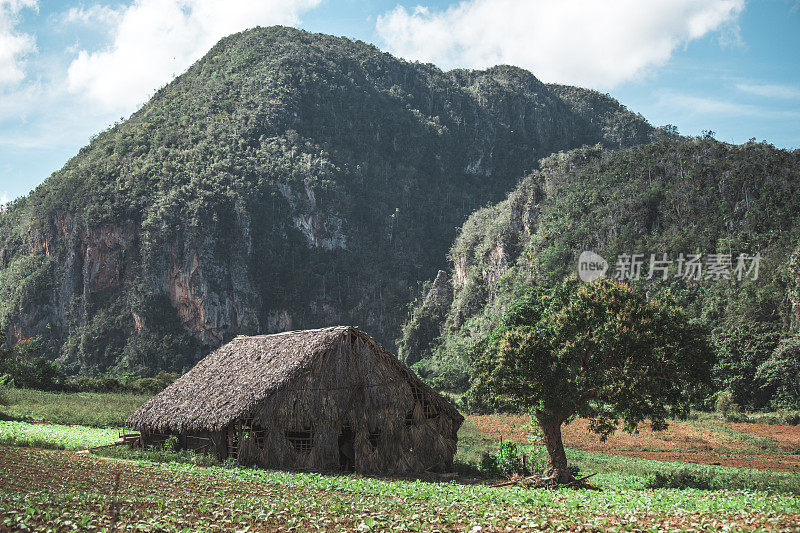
x=347 y=456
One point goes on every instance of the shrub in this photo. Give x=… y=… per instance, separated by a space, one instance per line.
x=38 y=373
x=505 y=460
x=130 y=383
x=230 y=462
x=792 y=418
x=171 y=443
x=106 y=384
x=508 y=459
x=679 y=479
x=726 y=407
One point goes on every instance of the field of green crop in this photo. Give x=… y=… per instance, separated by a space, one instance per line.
x=613 y=471
x=65 y=490
x=165 y=490
x=54 y=436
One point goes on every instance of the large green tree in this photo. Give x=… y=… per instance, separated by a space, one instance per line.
x=601 y=350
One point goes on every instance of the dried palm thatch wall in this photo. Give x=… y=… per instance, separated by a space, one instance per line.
x=322 y=400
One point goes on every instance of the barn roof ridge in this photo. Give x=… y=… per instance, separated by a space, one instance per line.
x=231 y=380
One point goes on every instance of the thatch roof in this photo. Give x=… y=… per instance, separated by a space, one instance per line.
x=231 y=381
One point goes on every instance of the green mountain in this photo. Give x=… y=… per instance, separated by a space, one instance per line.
x=287 y=180
x=674 y=196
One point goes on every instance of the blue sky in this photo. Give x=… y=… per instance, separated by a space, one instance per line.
x=70 y=68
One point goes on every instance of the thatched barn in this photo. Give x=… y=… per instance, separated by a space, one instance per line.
x=324 y=399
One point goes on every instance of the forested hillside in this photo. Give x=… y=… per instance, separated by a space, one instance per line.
x=675 y=196
x=287 y=180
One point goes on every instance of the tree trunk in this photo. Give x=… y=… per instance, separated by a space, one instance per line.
x=556 y=457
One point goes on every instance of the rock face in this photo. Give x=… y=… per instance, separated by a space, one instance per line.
x=287 y=180
x=426 y=320
x=85 y=261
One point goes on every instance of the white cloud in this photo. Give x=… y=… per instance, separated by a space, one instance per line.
x=15 y=104
x=96 y=14
x=584 y=42
x=769 y=90
x=14 y=45
x=153 y=40
x=44 y=116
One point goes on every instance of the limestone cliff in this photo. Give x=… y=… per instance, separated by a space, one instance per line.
x=286 y=180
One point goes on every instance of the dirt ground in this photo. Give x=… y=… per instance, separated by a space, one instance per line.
x=759 y=446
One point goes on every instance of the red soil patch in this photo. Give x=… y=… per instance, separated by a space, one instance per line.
x=775 y=463
x=689 y=442
x=787 y=437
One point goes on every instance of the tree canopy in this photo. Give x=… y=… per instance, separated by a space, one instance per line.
x=780 y=374
x=601 y=350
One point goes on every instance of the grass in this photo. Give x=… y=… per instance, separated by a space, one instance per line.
x=472 y=446
x=617 y=472
x=112 y=409
x=79 y=408
x=54 y=436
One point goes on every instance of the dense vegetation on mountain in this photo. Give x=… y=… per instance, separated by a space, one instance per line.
x=674 y=196
x=287 y=180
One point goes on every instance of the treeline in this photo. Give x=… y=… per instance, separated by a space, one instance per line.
x=22 y=366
